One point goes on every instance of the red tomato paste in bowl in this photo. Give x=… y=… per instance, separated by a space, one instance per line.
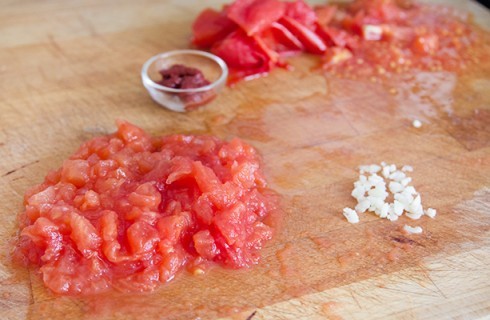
x=130 y=211
x=179 y=76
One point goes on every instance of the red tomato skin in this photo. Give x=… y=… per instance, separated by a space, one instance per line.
x=210 y=27
x=301 y=12
x=286 y=38
x=254 y=16
x=244 y=55
x=311 y=41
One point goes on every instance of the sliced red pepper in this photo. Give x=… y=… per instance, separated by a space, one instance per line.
x=210 y=27
x=254 y=16
x=312 y=42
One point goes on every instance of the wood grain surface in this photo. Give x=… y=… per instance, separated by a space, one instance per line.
x=68 y=69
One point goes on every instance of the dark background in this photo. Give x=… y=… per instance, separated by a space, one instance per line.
x=483 y=2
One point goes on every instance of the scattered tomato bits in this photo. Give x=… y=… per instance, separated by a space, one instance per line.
x=129 y=211
x=386 y=37
x=364 y=38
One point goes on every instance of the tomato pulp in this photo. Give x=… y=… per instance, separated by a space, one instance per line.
x=380 y=38
x=129 y=211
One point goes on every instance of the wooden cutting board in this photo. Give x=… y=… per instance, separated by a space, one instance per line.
x=69 y=69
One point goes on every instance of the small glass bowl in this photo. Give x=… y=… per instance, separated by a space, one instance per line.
x=213 y=68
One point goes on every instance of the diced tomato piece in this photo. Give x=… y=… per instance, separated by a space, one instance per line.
x=134 y=138
x=210 y=27
x=223 y=196
x=84 y=235
x=75 y=172
x=46 y=196
x=231 y=223
x=254 y=16
x=146 y=196
x=234 y=257
x=181 y=168
x=206 y=179
x=66 y=192
x=255 y=200
x=102 y=168
x=204 y=210
x=244 y=174
x=90 y=200
x=205 y=245
x=302 y=13
x=261 y=233
x=171 y=228
x=312 y=42
x=142 y=237
x=128 y=132
x=110 y=246
x=171 y=263
x=71 y=274
x=46 y=235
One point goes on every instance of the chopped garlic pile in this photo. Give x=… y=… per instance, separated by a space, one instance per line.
x=372 y=189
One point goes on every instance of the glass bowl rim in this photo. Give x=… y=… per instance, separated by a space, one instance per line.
x=148 y=82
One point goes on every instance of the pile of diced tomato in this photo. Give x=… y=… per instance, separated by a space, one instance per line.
x=254 y=36
x=129 y=211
